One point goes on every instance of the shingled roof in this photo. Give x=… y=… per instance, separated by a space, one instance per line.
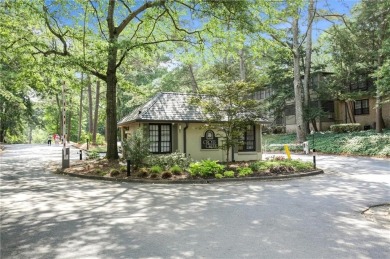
x=168 y=106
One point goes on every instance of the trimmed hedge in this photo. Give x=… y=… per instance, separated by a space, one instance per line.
x=344 y=128
x=364 y=143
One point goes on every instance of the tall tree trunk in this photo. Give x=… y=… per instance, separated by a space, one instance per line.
x=95 y=120
x=314 y=123
x=111 y=130
x=90 y=106
x=378 y=98
x=2 y=122
x=2 y=135
x=308 y=61
x=30 y=134
x=105 y=130
x=301 y=136
x=378 y=115
x=111 y=120
x=59 y=122
x=347 y=115
x=81 y=108
x=194 y=84
x=350 y=111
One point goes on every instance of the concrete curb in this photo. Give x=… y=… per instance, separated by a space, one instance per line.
x=267 y=178
x=196 y=181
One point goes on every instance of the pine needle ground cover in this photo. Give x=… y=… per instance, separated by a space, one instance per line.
x=363 y=143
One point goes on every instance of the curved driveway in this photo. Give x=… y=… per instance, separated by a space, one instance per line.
x=44 y=215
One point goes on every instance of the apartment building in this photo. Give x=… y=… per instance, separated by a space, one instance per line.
x=360 y=110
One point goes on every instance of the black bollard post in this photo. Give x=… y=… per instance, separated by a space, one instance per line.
x=81 y=154
x=87 y=143
x=128 y=167
x=314 y=158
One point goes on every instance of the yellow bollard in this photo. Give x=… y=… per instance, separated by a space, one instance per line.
x=287 y=151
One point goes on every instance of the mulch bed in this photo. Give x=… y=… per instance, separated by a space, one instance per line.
x=117 y=170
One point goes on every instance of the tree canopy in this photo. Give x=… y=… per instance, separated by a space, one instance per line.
x=114 y=55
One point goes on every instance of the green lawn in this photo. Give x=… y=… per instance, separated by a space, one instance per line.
x=365 y=143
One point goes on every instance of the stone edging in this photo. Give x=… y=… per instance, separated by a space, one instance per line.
x=196 y=181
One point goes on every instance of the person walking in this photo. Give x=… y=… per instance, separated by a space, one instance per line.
x=57 y=139
x=49 y=140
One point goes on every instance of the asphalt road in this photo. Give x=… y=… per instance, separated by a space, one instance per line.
x=44 y=215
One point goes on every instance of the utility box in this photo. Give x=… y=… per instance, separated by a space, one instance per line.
x=65 y=157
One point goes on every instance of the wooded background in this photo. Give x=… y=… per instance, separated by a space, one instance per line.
x=114 y=55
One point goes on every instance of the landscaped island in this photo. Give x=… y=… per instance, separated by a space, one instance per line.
x=178 y=167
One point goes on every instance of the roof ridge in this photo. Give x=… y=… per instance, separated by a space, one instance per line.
x=151 y=102
x=178 y=93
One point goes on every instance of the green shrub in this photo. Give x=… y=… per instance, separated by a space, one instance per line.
x=154 y=175
x=241 y=175
x=123 y=169
x=176 y=170
x=144 y=169
x=298 y=165
x=218 y=176
x=114 y=173
x=342 y=128
x=92 y=155
x=169 y=160
x=136 y=148
x=254 y=166
x=244 y=171
x=166 y=175
x=18 y=138
x=205 y=168
x=99 y=172
x=195 y=169
x=263 y=165
x=228 y=174
x=39 y=136
x=142 y=174
x=156 y=169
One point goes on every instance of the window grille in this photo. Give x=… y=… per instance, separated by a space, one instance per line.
x=160 y=138
x=248 y=139
x=362 y=107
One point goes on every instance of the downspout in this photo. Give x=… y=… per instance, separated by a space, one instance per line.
x=185 y=139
